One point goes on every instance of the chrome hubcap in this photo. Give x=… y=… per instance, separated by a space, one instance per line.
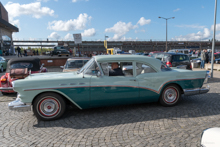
x=49 y=107
x=170 y=95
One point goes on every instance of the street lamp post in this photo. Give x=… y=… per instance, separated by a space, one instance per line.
x=166 y=27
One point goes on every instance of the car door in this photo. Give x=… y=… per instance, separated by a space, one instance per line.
x=114 y=90
x=149 y=82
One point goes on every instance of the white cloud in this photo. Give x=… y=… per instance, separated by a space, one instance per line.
x=194 y=26
x=54 y=35
x=176 y=10
x=120 y=29
x=33 y=9
x=42 y=0
x=143 y=21
x=203 y=7
x=74 y=1
x=217 y=27
x=123 y=39
x=70 y=25
x=68 y=37
x=89 y=32
x=194 y=36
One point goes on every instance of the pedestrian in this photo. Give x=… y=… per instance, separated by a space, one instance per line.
x=25 y=53
x=199 y=53
x=37 y=52
x=34 y=52
x=203 y=59
x=19 y=51
x=206 y=56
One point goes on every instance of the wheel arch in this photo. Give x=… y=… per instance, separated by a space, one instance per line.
x=67 y=100
x=181 y=89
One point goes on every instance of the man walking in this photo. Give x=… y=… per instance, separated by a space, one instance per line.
x=19 y=51
x=203 y=58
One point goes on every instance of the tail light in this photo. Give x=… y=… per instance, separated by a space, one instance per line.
x=3 y=79
x=169 y=64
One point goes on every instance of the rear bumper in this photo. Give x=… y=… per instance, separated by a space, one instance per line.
x=196 y=91
x=17 y=105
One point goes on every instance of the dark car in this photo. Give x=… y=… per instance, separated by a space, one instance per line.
x=60 y=50
x=19 y=68
x=216 y=58
x=178 y=60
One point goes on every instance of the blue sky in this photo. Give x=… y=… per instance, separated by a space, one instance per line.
x=121 y=20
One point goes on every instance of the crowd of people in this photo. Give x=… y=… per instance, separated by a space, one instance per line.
x=206 y=57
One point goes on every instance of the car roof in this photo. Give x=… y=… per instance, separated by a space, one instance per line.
x=171 y=53
x=105 y=58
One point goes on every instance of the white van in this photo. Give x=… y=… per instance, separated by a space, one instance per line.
x=184 y=51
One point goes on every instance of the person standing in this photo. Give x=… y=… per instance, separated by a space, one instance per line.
x=203 y=59
x=19 y=51
x=37 y=52
x=25 y=53
x=206 y=56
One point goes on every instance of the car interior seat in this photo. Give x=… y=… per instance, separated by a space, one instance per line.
x=139 y=68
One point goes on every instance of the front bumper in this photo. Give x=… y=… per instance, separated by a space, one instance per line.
x=18 y=105
x=196 y=91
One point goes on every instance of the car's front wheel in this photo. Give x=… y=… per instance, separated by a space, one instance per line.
x=49 y=106
x=170 y=95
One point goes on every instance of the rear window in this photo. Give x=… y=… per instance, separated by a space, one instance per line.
x=21 y=65
x=180 y=58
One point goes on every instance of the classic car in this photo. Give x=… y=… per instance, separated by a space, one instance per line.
x=48 y=94
x=74 y=64
x=33 y=65
x=60 y=50
x=3 y=64
x=210 y=137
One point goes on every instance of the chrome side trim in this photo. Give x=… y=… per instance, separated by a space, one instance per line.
x=18 y=105
x=196 y=91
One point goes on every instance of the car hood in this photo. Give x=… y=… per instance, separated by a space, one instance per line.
x=51 y=75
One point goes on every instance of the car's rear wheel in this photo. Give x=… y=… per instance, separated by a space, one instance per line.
x=170 y=95
x=49 y=106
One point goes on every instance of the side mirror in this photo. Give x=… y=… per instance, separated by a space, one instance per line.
x=62 y=67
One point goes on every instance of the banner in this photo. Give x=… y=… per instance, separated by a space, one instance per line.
x=77 y=38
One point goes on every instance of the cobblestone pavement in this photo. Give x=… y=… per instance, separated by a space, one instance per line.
x=131 y=125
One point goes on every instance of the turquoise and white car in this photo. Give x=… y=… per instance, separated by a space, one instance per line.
x=48 y=94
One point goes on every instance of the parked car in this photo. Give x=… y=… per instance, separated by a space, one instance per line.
x=74 y=64
x=60 y=51
x=29 y=52
x=154 y=53
x=178 y=60
x=21 y=68
x=91 y=86
x=3 y=64
x=210 y=137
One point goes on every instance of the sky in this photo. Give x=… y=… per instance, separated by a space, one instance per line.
x=120 y=20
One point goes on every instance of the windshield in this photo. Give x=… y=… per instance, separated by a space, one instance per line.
x=75 y=63
x=85 y=66
x=21 y=65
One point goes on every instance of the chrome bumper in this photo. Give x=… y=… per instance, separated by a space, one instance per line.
x=6 y=88
x=18 y=105
x=196 y=91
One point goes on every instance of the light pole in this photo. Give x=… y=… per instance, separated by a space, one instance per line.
x=166 y=27
x=105 y=42
x=213 y=40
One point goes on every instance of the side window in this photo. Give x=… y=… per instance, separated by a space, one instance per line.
x=127 y=68
x=142 y=68
x=105 y=68
x=93 y=69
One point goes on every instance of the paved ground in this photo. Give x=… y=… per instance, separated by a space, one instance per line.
x=132 y=125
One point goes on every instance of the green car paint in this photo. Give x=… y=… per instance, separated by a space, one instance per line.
x=87 y=91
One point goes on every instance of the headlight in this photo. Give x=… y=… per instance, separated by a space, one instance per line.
x=198 y=61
